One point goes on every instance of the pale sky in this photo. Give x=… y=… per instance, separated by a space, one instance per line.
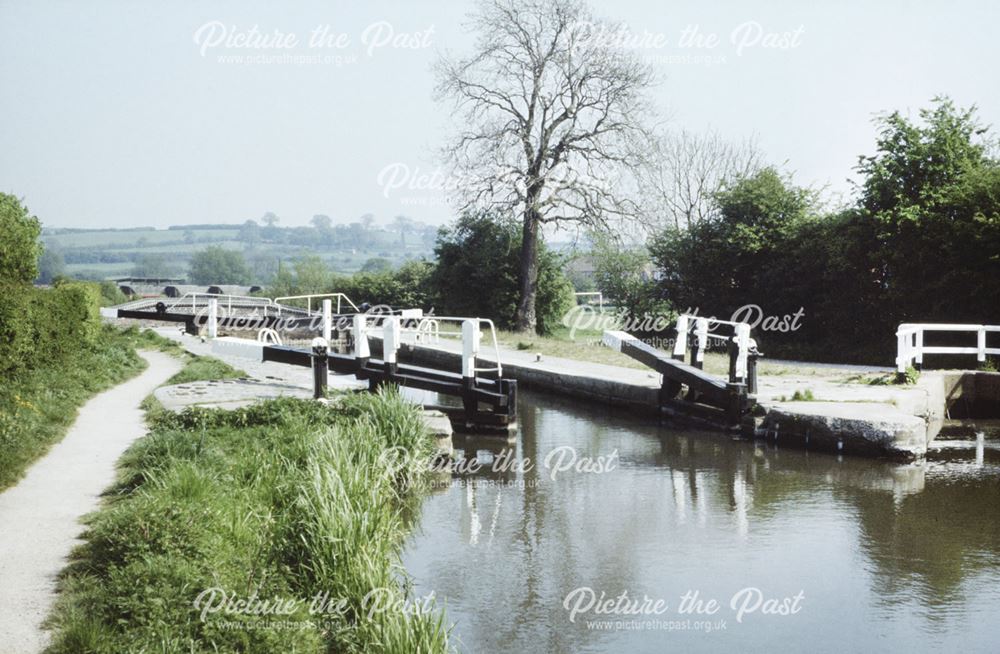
x=120 y=114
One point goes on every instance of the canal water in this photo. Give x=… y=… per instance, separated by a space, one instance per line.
x=800 y=551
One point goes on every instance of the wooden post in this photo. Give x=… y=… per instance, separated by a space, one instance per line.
x=470 y=348
x=360 y=332
x=981 y=344
x=731 y=350
x=901 y=353
x=390 y=346
x=320 y=366
x=736 y=401
x=213 y=318
x=327 y=320
x=918 y=349
x=701 y=343
x=743 y=351
x=680 y=346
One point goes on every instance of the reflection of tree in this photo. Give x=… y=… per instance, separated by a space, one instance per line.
x=931 y=542
x=623 y=531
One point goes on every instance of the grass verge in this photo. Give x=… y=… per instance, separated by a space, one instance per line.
x=38 y=406
x=281 y=502
x=585 y=345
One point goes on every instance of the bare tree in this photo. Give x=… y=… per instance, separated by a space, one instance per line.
x=686 y=172
x=552 y=123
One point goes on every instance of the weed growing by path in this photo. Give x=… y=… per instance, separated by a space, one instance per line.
x=283 y=499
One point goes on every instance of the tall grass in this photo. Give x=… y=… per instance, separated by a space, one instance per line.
x=283 y=499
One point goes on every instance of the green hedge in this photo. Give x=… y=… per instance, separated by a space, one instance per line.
x=43 y=326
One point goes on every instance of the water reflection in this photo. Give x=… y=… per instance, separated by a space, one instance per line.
x=909 y=553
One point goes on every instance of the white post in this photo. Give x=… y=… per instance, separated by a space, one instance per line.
x=213 y=318
x=901 y=362
x=470 y=347
x=680 y=347
x=701 y=330
x=327 y=320
x=361 y=350
x=743 y=342
x=918 y=346
x=981 y=344
x=390 y=339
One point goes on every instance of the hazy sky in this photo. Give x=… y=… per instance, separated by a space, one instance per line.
x=128 y=113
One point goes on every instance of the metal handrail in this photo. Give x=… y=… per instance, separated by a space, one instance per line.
x=228 y=299
x=309 y=298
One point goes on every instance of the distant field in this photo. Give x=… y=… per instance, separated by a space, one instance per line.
x=101 y=245
x=150 y=237
x=99 y=270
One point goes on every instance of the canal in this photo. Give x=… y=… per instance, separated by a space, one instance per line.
x=800 y=551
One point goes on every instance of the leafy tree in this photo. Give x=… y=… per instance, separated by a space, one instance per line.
x=477 y=274
x=51 y=265
x=403 y=225
x=311 y=275
x=408 y=287
x=152 y=265
x=19 y=245
x=321 y=222
x=932 y=195
x=623 y=276
x=719 y=264
x=250 y=233
x=217 y=265
x=376 y=264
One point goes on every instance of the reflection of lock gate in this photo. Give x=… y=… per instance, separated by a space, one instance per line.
x=707 y=397
x=487 y=401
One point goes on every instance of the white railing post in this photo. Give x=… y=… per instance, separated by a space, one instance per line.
x=918 y=347
x=470 y=347
x=213 y=318
x=361 y=350
x=680 y=347
x=327 y=319
x=901 y=362
x=701 y=331
x=390 y=340
x=743 y=343
x=981 y=344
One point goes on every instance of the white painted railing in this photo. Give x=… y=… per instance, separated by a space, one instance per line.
x=469 y=330
x=910 y=348
x=339 y=297
x=703 y=331
x=202 y=300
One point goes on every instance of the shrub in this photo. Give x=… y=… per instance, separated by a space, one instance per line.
x=478 y=274
x=43 y=326
x=19 y=246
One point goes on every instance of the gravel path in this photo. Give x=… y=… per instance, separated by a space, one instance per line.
x=39 y=518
